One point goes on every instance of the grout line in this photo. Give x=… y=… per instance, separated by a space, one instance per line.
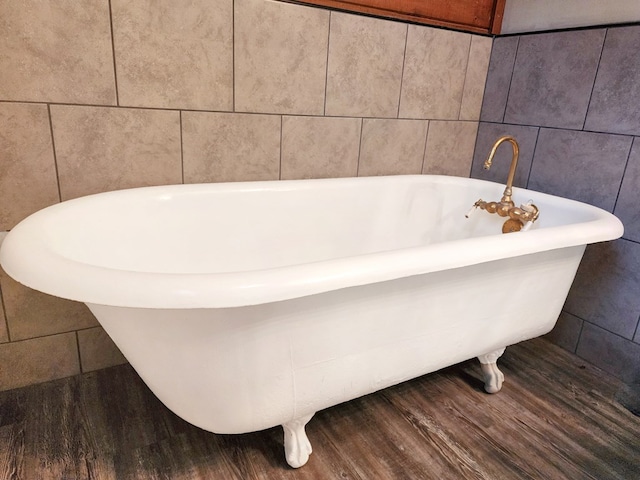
x=569 y=29
x=593 y=85
x=280 y=166
x=549 y=127
x=55 y=156
x=486 y=82
x=582 y=321
x=181 y=149
x=513 y=69
x=533 y=156
x=602 y=328
x=424 y=150
x=326 y=73
x=624 y=172
x=54 y=334
x=113 y=54
x=404 y=59
x=6 y=321
x=233 y=56
x=635 y=332
x=466 y=75
x=78 y=351
x=305 y=115
x=360 y=147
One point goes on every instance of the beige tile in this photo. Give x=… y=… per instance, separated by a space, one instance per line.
x=100 y=149
x=280 y=57
x=97 y=350
x=34 y=314
x=477 y=67
x=320 y=147
x=392 y=147
x=174 y=54
x=56 y=51
x=365 y=66
x=226 y=147
x=38 y=360
x=450 y=147
x=27 y=168
x=434 y=72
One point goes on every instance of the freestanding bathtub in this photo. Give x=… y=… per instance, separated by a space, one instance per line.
x=249 y=305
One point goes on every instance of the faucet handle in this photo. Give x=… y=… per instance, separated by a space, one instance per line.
x=530 y=207
x=473 y=208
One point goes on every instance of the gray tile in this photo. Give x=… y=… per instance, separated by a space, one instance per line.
x=97 y=350
x=475 y=78
x=364 y=69
x=615 y=101
x=229 y=147
x=320 y=147
x=449 y=149
x=503 y=56
x=33 y=314
x=553 y=77
x=605 y=291
x=580 y=165
x=280 y=57
x=27 y=166
x=38 y=360
x=434 y=71
x=488 y=133
x=566 y=333
x=392 y=147
x=627 y=205
x=174 y=54
x=52 y=51
x=610 y=352
x=99 y=149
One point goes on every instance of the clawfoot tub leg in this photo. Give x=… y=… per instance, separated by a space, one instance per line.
x=296 y=444
x=493 y=377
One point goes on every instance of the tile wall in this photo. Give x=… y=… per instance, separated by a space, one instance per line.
x=104 y=95
x=572 y=99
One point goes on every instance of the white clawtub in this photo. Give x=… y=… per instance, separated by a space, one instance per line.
x=249 y=305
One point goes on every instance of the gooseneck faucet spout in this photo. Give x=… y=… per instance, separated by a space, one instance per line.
x=518 y=216
x=506 y=196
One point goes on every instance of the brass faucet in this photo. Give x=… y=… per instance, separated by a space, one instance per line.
x=518 y=216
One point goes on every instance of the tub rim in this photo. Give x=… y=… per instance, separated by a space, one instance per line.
x=24 y=255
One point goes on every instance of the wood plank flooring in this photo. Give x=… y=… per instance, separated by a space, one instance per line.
x=555 y=418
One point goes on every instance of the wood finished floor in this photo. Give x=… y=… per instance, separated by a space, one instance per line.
x=555 y=418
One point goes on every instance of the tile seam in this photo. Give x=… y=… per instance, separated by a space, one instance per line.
x=326 y=68
x=595 y=77
x=113 y=55
x=466 y=75
x=360 y=147
x=404 y=59
x=513 y=69
x=53 y=151
x=6 y=322
x=424 y=151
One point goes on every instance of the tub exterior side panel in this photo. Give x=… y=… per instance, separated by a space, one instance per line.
x=243 y=369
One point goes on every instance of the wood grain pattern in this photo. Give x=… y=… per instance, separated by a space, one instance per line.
x=555 y=418
x=478 y=16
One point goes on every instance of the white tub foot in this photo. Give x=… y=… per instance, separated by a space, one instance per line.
x=493 y=377
x=296 y=444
